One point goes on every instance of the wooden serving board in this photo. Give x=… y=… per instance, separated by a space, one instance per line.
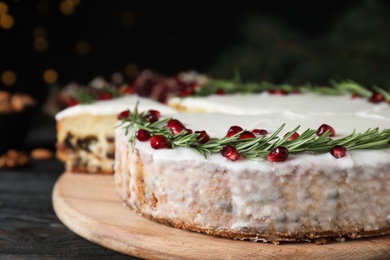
x=89 y=206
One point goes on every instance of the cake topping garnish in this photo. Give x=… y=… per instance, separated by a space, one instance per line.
x=338 y=151
x=123 y=114
x=293 y=136
x=142 y=135
x=230 y=152
x=324 y=128
x=233 y=130
x=159 y=142
x=203 y=137
x=275 y=147
x=278 y=154
x=259 y=131
x=247 y=134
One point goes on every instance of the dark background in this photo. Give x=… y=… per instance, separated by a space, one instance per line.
x=279 y=41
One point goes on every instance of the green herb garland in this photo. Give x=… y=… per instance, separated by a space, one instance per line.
x=259 y=147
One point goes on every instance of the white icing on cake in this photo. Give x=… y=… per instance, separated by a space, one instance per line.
x=115 y=106
x=265 y=103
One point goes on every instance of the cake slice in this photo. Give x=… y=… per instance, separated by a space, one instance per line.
x=85 y=133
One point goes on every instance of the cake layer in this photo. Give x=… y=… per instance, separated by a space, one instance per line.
x=307 y=196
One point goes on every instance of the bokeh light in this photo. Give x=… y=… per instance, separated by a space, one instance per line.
x=128 y=19
x=131 y=70
x=50 y=76
x=41 y=44
x=8 y=78
x=67 y=7
x=82 y=48
x=3 y=8
x=40 y=32
x=6 y=21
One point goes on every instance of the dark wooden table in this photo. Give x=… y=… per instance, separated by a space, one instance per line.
x=29 y=228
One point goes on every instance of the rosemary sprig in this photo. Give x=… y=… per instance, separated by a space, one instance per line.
x=89 y=94
x=259 y=147
x=236 y=85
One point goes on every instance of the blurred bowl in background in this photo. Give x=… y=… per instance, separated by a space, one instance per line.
x=15 y=117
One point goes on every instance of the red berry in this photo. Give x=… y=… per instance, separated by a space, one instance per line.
x=72 y=102
x=259 y=131
x=355 y=96
x=155 y=112
x=174 y=123
x=278 y=154
x=247 y=134
x=220 y=92
x=186 y=92
x=323 y=128
x=230 y=152
x=175 y=126
x=188 y=131
x=105 y=96
x=278 y=92
x=203 y=137
x=293 y=137
x=158 y=142
x=152 y=116
x=233 y=130
x=376 y=98
x=123 y=114
x=142 y=135
x=338 y=151
x=127 y=90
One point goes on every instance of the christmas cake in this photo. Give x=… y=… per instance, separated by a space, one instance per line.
x=261 y=167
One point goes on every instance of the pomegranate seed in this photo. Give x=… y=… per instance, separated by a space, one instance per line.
x=72 y=102
x=338 y=151
x=176 y=127
x=105 y=96
x=220 y=92
x=278 y=92
x=233 y=130
x=376 y=98
x=174 y=123
x=123 y=114
x=259 y=131
x=247 y=134
x=323 y=128
x=186 y=92
x=142 y=135
x=128 y=90
x=230 y=152
x=203 y=137
x=278 y=154
x=152 y=116
x=355 y=96
x=188 y=131
x=293 y=137
x=158 y=142
x=155 y=112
